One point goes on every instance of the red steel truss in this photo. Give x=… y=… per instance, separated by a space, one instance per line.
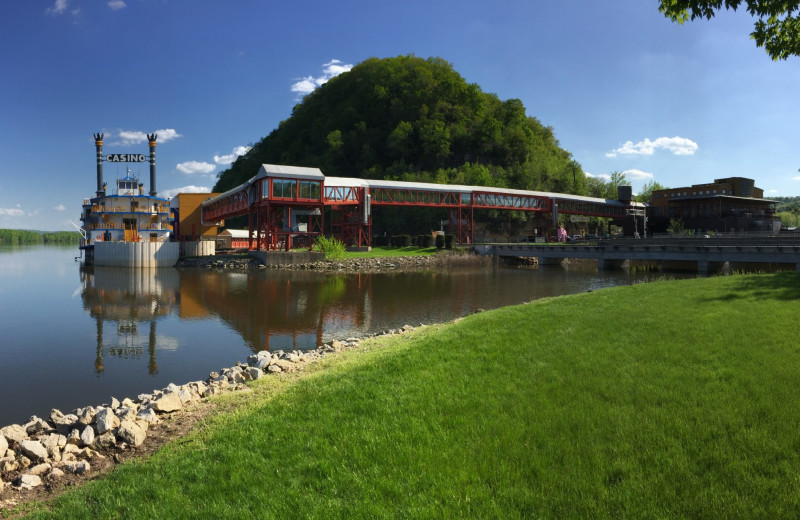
x=232 y=205
x=415 y=197
x=350 y=204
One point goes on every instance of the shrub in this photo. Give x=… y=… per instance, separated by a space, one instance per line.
x=448 y=241
x=333 y=248
x=439 y=241
x=401 y=240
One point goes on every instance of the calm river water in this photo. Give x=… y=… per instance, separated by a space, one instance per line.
x=72 y=336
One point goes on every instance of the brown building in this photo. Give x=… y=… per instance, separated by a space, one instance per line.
x=185 y=208
x=731 y=205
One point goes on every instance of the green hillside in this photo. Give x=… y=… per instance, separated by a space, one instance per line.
x=414 y=119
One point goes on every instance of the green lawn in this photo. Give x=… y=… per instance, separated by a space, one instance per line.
x=671 y=399
x=379 y=252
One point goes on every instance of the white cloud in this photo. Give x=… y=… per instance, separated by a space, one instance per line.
x=60 y=207
x=331 y=69
x=130 y=137
x=11 y=212
x=167 y=343
x=116 y=5
x=229 y=158
x=304 y=86
x=796 y=178
x=186 y=189
x=58 y=8
x=604 y=176
x=195 y=167
x=637 y=175
x=676 y=145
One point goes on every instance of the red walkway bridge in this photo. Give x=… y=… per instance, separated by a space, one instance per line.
x=287 y=203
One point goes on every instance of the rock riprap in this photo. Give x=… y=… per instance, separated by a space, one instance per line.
x=45 y=450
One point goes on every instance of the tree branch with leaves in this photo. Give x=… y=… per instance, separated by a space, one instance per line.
x=777 y=28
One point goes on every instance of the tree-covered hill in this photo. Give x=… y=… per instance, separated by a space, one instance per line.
x=408 y=118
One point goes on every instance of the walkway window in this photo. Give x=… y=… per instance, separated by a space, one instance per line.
x=309 y=190
x=282 y=189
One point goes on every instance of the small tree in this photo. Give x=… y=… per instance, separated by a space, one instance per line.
x=333 y=248
x=676 y=226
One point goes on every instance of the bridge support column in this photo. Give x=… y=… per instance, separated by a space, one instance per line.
x=605 y=264
x=551 y=261
x=702 y=267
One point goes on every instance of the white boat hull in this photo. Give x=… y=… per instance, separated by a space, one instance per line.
x=133 y=254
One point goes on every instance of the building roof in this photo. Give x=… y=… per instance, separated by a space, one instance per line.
x=298 y=172
x=235 y=233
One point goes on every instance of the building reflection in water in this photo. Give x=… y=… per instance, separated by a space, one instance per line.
x=269 y=310
x=130 y=302
x=278 y=310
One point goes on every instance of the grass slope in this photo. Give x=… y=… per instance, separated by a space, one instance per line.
x=665 y=400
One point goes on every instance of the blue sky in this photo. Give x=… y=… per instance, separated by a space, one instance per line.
x=624 y=88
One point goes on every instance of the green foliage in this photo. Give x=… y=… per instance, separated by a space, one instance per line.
x=787 y=204
x=676 y=226
x=605 y=189
x=777 y=28
x=440 y=241
x=401 y=241
x=22 y=236
x=449 y=240
x=333 y=248
x=61 y=237
x=647 y=191
x=412 y=119
x=788 y=219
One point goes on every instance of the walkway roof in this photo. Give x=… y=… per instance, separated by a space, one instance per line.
x=305 y=173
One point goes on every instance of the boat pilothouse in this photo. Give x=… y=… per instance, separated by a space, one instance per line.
x=127 y=217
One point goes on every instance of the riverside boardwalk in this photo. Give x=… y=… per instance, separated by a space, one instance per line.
x=710 y=254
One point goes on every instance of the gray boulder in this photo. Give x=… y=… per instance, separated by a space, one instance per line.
x=33 y=449
x=74 y=436
x=105 y=420
x=105 y=441
x=87 y=436
x=63 y=423
x=131 y=433
x=14 y=433
x=168 y=402
x=86 y=415
x=147 y=415
x=77 y=467
x=28 y=481
x=36 y=425
x=39 y=469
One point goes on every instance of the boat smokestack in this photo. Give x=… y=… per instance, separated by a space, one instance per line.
x=98 y=143
x=152 y=139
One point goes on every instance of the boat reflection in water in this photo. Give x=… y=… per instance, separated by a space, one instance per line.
x=214 y=318
x=130 y=301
